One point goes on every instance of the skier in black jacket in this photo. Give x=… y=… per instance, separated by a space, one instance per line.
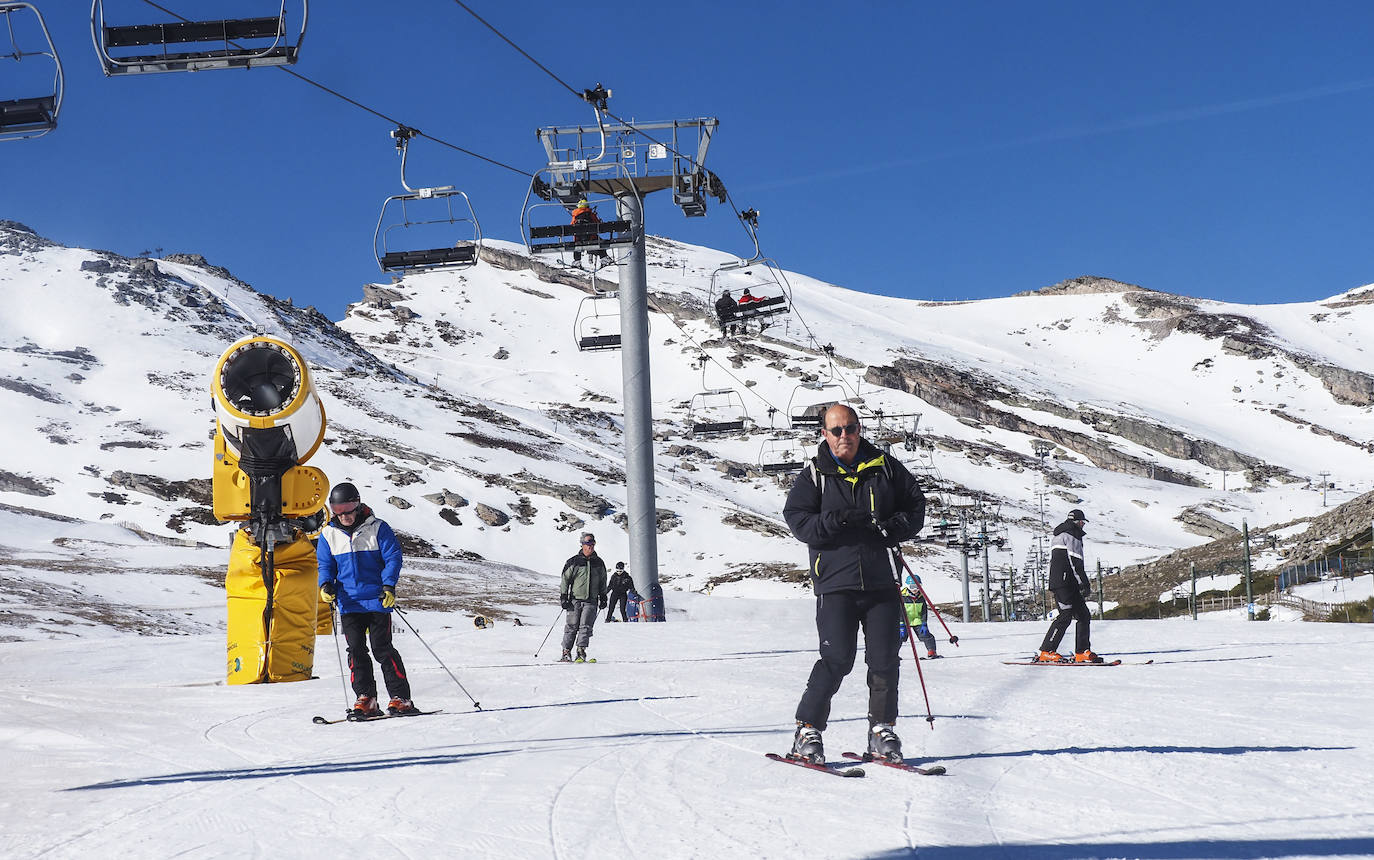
x=852 y=506
x=620 y=586
x=1069 y=582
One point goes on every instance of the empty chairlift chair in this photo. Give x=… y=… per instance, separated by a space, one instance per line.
x=781 y=455
x=717 y=411
x=32 y=112
x=598 y=322
x=425 y=228
x=181 y=45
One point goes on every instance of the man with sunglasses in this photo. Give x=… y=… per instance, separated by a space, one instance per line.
x=852 y=506
x=360 y=563
x=582 y=591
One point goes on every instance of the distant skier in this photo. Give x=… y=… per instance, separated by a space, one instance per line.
x=620 y=587
x=582 y=591
x=914 y=601
x=852 y=506
x=360 y=563
x=1069 y=582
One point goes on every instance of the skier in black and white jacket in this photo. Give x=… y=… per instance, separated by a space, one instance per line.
x=1069 y=582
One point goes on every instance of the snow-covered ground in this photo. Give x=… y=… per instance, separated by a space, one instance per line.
x=1241 y=740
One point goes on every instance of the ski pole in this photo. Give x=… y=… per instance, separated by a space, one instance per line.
x=547 y=635
x=476 y=704
x=334 y=623
x=911 y=639
x=953 y=640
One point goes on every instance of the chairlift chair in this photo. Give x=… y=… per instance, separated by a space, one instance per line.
x=781 y=455
x=185 y=46
x=420 y=216
x=720 y=410
x=812 y=415
x=555 y=203
x=28 y=115
x=597 y=315
x=758 y=275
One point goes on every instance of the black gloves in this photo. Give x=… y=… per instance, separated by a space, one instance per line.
x=1085 y=589
x=899 y=524
x=602 y=602
x=851 y=517
x=565 y=600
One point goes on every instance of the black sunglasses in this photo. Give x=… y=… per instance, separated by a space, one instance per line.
x=589 y=543
x=837 y=432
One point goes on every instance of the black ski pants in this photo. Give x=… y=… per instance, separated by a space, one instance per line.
x=617 y=600
x=358 y=628
x=839 y=616
x=1072 y=607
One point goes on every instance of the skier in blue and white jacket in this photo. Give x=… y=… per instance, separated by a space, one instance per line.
x=360 y=564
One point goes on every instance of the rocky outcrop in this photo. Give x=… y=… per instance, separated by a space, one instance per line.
x=967 y=394
x=491 y=516
x=1199 y=522
x=1083 y=285
x=12 y=483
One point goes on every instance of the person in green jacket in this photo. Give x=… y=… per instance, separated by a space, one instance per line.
x=582 y=592
x=914 y=602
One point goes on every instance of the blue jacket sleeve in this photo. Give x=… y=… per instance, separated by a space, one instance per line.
x=324 y=556
x=391 y=555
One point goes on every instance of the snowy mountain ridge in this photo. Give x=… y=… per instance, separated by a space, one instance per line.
x=461 y=405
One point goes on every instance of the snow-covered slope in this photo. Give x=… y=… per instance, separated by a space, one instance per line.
x=460 y=403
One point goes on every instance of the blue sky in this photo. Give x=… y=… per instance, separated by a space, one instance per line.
x=935 y=151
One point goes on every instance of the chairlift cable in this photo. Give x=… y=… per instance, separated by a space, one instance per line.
x=503 y=37
x=360 y=105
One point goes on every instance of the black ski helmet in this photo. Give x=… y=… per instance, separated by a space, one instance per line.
x=343 y=494
x=620 y=565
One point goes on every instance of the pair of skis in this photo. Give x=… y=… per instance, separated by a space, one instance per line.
x=354 y=717
x=836 y=769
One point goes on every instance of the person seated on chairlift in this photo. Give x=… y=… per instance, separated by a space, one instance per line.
x=585 y=214
x=748 y=297
x=726 y=307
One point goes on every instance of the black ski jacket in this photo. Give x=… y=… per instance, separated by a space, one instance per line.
x=1067 y=572
x=831 y=509
x=621 y=583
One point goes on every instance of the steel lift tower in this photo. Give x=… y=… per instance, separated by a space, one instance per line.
x=624 y=162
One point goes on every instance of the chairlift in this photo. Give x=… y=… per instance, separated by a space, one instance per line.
x=569 y=178
x=782 y=455
x=182 y=45
x=425 y=216
x=813 y=415
x=720 y=410
x=597 y=326
x=756 y=285
x=716 y=410
x=28 y=115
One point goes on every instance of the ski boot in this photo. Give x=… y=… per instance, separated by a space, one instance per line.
x=567 y=656
x=402 y=708
x=1050 y=657
x=931 y=655
x=1086 y=657
x=884 y=744
x=806 y=744
x=366 y=707
x=581 y=655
